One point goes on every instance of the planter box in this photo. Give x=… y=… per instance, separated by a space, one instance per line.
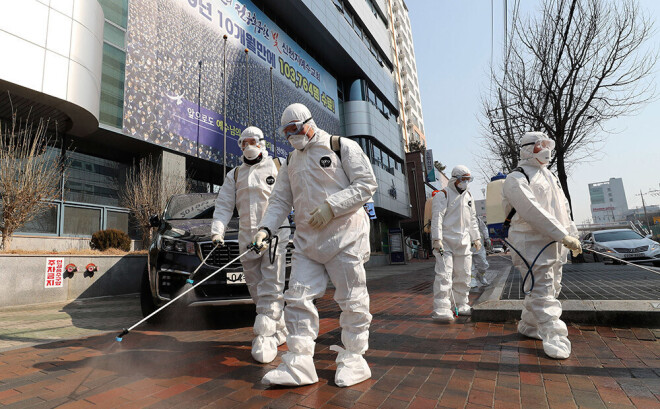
x=23 y=278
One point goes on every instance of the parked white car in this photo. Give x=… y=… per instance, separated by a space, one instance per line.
x=621 y=243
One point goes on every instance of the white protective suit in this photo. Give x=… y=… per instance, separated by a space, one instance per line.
x=542 y=215
x=249 y=193
x=336 y=251
x=479 y=258
x=454 y=221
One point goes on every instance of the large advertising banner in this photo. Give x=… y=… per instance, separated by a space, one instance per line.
x=174 y=77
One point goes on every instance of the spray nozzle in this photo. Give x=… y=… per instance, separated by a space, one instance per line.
x=254 y=247
x=121 y=336
x=190 y=281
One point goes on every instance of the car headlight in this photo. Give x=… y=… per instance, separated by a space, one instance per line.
x=177 y=246
x=654 y=247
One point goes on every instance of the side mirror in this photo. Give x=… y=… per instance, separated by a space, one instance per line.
x=648 y=236
x=154 y=220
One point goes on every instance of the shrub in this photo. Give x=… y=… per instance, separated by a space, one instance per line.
x=110 y=239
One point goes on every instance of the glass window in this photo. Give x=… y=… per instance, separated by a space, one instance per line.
x=117 y=220
x=371 y=97
x=80 y=221
x=338 y=5
x=45 y=222
x=349 y=18
x=112 y=86
x=376 y=159
x=115 y=11
x=357 y=91
x=113 y=35
x=91 y=179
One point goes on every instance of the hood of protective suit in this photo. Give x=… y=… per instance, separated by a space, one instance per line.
x=457 y=172
x=527 y=142
x=254 y=132
x=297 y=112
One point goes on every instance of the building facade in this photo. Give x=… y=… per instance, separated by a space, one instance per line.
x=608 y=201
x=179 y=80
x=411 y=119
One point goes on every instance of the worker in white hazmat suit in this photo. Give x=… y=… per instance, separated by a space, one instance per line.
x=479 y=258
x=454 y=231
x=327 y=186
x=542 y=215
x=248 y=188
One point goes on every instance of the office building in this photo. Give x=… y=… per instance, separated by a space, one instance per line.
x=129 y=78
x=608 y=201
x=410 y=118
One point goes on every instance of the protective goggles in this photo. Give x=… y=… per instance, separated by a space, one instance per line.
x=248 y=141
x=464 y=178
x=292 y=128
x=541 y=144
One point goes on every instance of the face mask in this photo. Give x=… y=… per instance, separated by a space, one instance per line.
x=251 y=152
x=543 y=156
x=462 y=185
x=299 y=141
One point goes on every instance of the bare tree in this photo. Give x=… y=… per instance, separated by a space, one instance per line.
x=30 y=174
x=146 y=192
x=566 y=72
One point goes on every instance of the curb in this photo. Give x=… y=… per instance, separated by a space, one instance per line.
x=638 y=313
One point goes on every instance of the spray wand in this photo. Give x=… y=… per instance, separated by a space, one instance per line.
x=251 y=247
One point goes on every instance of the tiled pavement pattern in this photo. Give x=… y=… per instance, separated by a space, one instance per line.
x=596 y=281
x=415 y=364
x=37 y=324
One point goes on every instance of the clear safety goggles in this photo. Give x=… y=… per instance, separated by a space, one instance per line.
x=465 y=178
x=541 y=144
x=249 y=141
x=292 y=128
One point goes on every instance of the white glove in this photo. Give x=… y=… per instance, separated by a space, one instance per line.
x=437 y=246
x=573 y=244
x=259 y=239
x=321 y=216
x=477 y=245
x=218 y=240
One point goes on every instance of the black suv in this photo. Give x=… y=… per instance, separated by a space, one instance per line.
x=182 y=242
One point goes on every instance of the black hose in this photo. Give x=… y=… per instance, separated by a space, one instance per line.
x=529 y=267
x=272 y=249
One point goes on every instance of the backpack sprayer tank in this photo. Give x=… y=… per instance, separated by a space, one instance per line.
x=495 y=213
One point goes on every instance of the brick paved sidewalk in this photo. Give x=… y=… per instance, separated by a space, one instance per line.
x=415 y=364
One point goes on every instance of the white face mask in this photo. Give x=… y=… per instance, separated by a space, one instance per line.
x=299 y=141
x=543 y=156
x=251 y=152
x=462 y=185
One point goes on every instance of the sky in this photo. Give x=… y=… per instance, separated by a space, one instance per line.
x=452 y=41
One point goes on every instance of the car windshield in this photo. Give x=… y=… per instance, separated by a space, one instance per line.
x=193 y=206
x=616 y=236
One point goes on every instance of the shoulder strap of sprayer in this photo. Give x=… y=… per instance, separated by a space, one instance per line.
x=507 y=221
x=335 y=145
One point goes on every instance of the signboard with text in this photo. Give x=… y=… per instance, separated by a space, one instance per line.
x=175 y=75
x=54 y=272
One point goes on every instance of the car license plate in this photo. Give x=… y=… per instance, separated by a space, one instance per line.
x=633 y=255
x=235 y=278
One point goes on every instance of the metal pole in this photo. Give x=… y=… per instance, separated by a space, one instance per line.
x=199 y=105
x=272 y=108
x=419 y=217
x=247 y=80
x=224 y=109
x=646 y=216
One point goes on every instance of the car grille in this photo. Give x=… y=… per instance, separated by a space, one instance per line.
x=635 y=250
x=222 y=255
